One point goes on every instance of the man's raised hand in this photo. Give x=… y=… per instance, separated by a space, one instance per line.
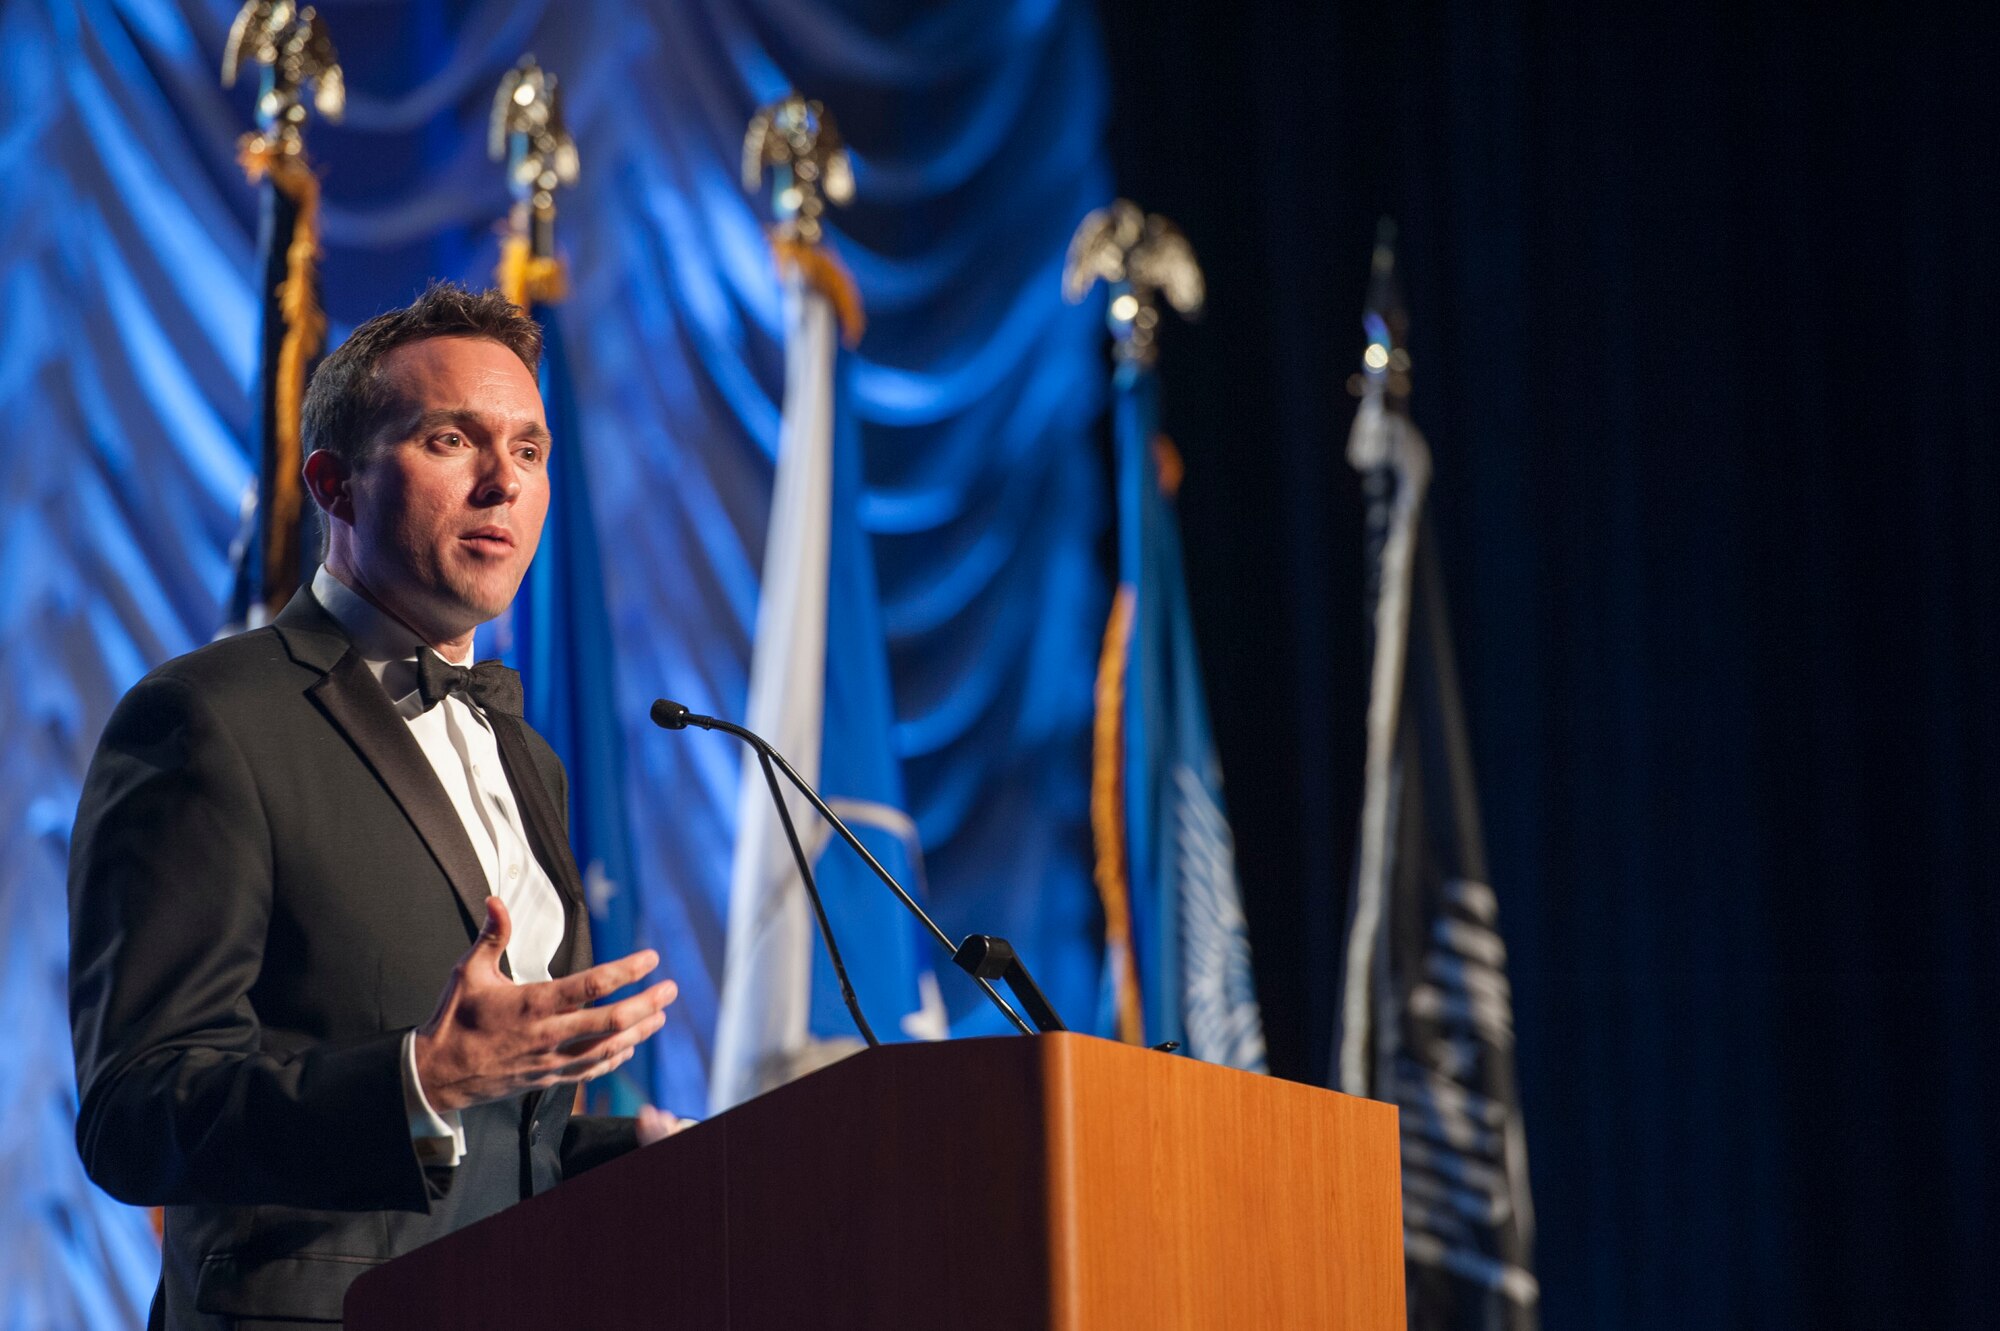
x=491 y=1038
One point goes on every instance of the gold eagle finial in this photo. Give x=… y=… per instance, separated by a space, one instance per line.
x=1143 y=258
x=293 y=46
x=800 y=144
x=527 y=131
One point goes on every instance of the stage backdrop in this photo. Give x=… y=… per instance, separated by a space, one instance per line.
x=126 y=234
x=1705 y=315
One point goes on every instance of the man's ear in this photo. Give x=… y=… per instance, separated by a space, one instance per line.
x=327 y=479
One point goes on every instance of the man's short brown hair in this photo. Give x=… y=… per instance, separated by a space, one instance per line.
x=347 y=403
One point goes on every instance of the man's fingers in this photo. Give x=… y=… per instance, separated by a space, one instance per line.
x=575 y=1031
x=586 y=987
x=607 y=1055
x=589 y=1069
x=598 y=1023
x=609 y=1065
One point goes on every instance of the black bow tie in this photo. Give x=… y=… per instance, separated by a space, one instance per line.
x=490 y=684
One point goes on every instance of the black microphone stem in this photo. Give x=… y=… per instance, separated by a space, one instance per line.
x=819 y=907
x=672 y=716
x=888 y=879
x=943 y=939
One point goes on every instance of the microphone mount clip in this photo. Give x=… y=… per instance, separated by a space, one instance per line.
x=984 y=957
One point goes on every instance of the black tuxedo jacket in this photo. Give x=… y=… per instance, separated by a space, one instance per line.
x=268 y=887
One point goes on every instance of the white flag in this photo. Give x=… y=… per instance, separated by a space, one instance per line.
x=762 y=1036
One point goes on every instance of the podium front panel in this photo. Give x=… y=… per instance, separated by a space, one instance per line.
x=1053 y=1182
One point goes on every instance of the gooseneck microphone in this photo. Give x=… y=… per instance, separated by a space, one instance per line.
x=981 y=956
x=672 y=716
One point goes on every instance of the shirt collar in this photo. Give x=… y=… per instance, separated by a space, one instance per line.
x=387 y=646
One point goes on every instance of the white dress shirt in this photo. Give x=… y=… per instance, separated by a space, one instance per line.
x=460 y=744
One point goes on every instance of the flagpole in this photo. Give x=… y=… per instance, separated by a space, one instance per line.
x=1177 y=947
x=1426 y=1018
x=558 y=631
x=1104 y=249
x=295 y=53
x=270 y=556
x=763 y=1033
x=1383 y=442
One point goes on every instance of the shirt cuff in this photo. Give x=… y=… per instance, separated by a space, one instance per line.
x=439 y=1138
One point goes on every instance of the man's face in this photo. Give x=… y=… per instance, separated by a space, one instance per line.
x=448 y=508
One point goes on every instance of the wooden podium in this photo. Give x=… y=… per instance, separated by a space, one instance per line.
x=1056 y=1181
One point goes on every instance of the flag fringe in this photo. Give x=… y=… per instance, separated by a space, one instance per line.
x=1107 y=817
x=825 y=273
x=527 y=279
x=305 y=334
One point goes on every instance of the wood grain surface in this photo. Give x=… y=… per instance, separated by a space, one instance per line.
x=1054 y=1182
x=1195 y=1196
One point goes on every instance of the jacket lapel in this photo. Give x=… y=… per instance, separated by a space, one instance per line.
x=353 y=700
x=545 y=832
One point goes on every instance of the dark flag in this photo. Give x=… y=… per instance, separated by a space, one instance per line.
x=557 y=633
x=1426 y=1017
x=276 y=550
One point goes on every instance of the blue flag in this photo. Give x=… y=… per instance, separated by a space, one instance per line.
x=861 y=778
x=1189 y=955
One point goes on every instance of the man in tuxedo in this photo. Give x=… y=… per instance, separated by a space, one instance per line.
x=330 y=971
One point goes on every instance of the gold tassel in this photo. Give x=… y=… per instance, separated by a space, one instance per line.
x=526 y=280
x=824 y=273
x=305 y=334
x=1107 y=817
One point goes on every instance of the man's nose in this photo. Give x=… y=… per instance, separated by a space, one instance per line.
x=499 y=478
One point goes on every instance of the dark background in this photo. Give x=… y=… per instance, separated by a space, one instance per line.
x=1703 y=319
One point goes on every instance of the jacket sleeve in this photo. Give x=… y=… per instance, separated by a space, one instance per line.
x=183 y=1097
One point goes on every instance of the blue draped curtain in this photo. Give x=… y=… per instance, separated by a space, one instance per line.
x=125 y=277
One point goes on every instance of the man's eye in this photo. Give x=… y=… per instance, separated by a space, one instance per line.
x=531 y=454
x=451 y=439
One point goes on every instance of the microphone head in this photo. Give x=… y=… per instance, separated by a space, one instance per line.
x=669 y=715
